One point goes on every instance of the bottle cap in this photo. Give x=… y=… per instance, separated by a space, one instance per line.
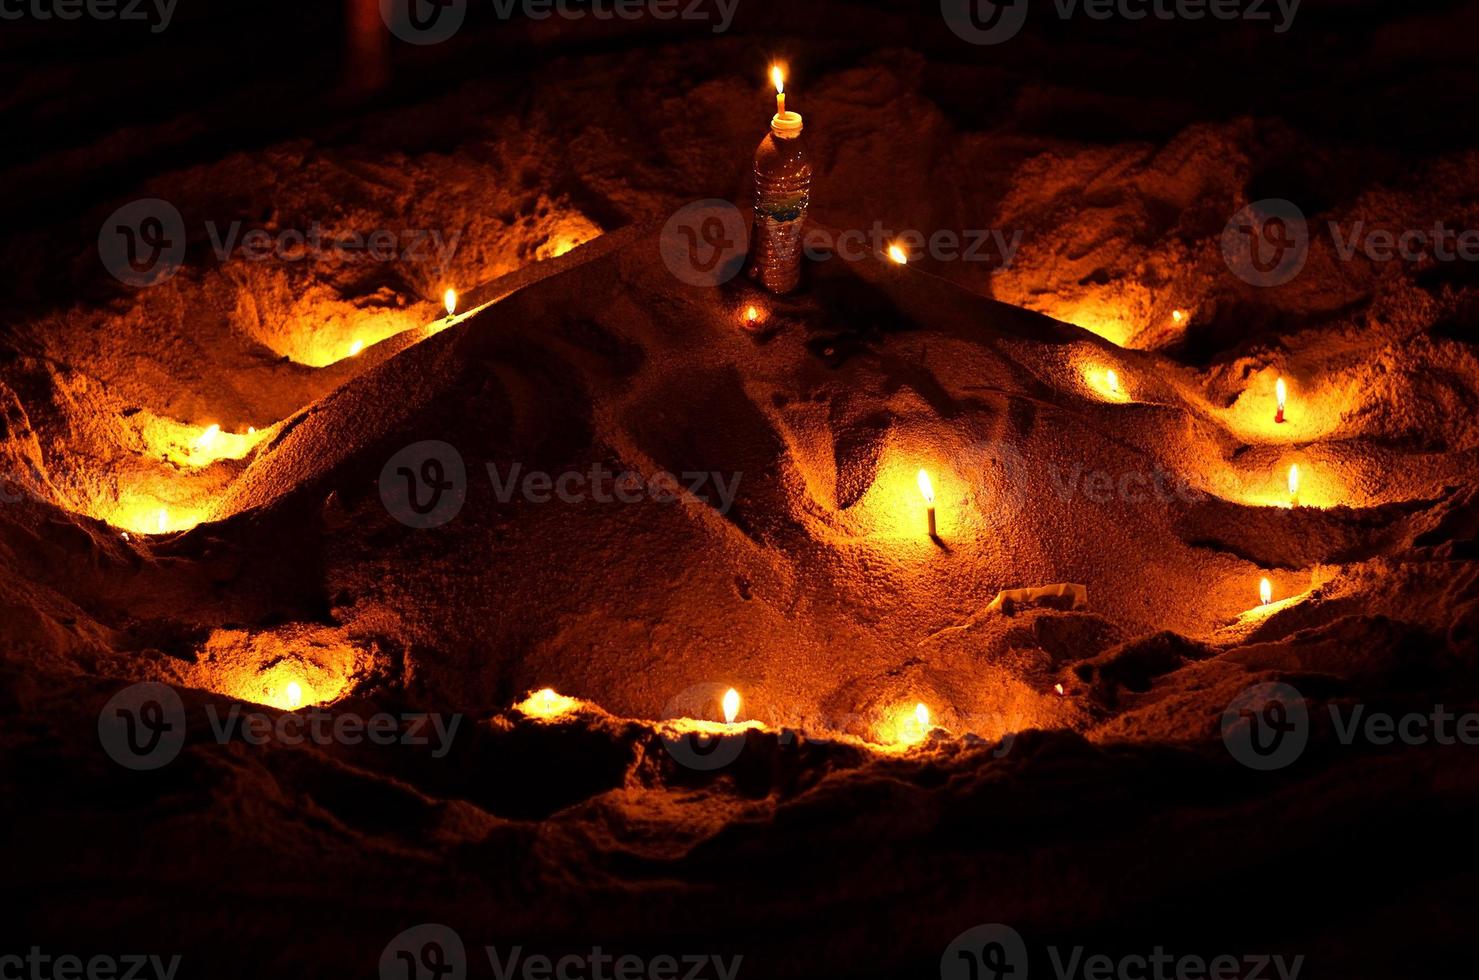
x=786 y=125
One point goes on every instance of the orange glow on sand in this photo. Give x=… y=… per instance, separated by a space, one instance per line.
x=289 y=667
x=894 y=509
x=546 y=703
x=907 y=725
x=143 y=514
x=1105 y=382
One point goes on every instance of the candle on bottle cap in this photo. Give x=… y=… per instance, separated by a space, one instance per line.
x=783 y=123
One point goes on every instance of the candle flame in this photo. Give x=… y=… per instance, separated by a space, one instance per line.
x=1294 y=480
x=163 y=520
x=1280 y=392
x=926 y=488
x=731 y=706
x=778 y=79
x=1265 y=592
x=546 y=703
x=356 y=347
x=208 y=437
x=898 y=254
x=1113 y=380
x=1058 y=688
x=449 y=300
x=922 y=716
x=752 y=315
x=294 y=694
x=1178 y=316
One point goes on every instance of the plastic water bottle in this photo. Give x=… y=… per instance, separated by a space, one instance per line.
x=782 y=194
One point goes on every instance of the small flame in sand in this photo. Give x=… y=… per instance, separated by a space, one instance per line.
x=449 y=300
x=1281 y=392
x=926 y=488
x=294 y=694
x=731 y=706
x=163 y=521
x=1294 y=480
x=1113 y=380
x=778 y=79
x=898 y=254
x=545 y=703
x=922 y=716
x=356 y=347
x=752 y=315
x=1265 y=592
x=1059 y=689
x=1178 y=316
x=207 y=439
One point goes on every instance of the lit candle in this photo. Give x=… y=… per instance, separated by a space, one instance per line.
x=752 y=317
x=1059 y=689
x=731 y=706
x=1113 y=380
x=929 y=498
x=449 y=300
x=1294 y=485
x=778 y=76
x=295 y=694
x=922 y=716
x=1280 y=392
x=898 y=254
x=546 y=703
x=208 y=437
x=1178 y=316
x=1265 y=592
x=356 y=347
x=163 y=519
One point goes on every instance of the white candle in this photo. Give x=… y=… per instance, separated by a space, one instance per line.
x=929 y=498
